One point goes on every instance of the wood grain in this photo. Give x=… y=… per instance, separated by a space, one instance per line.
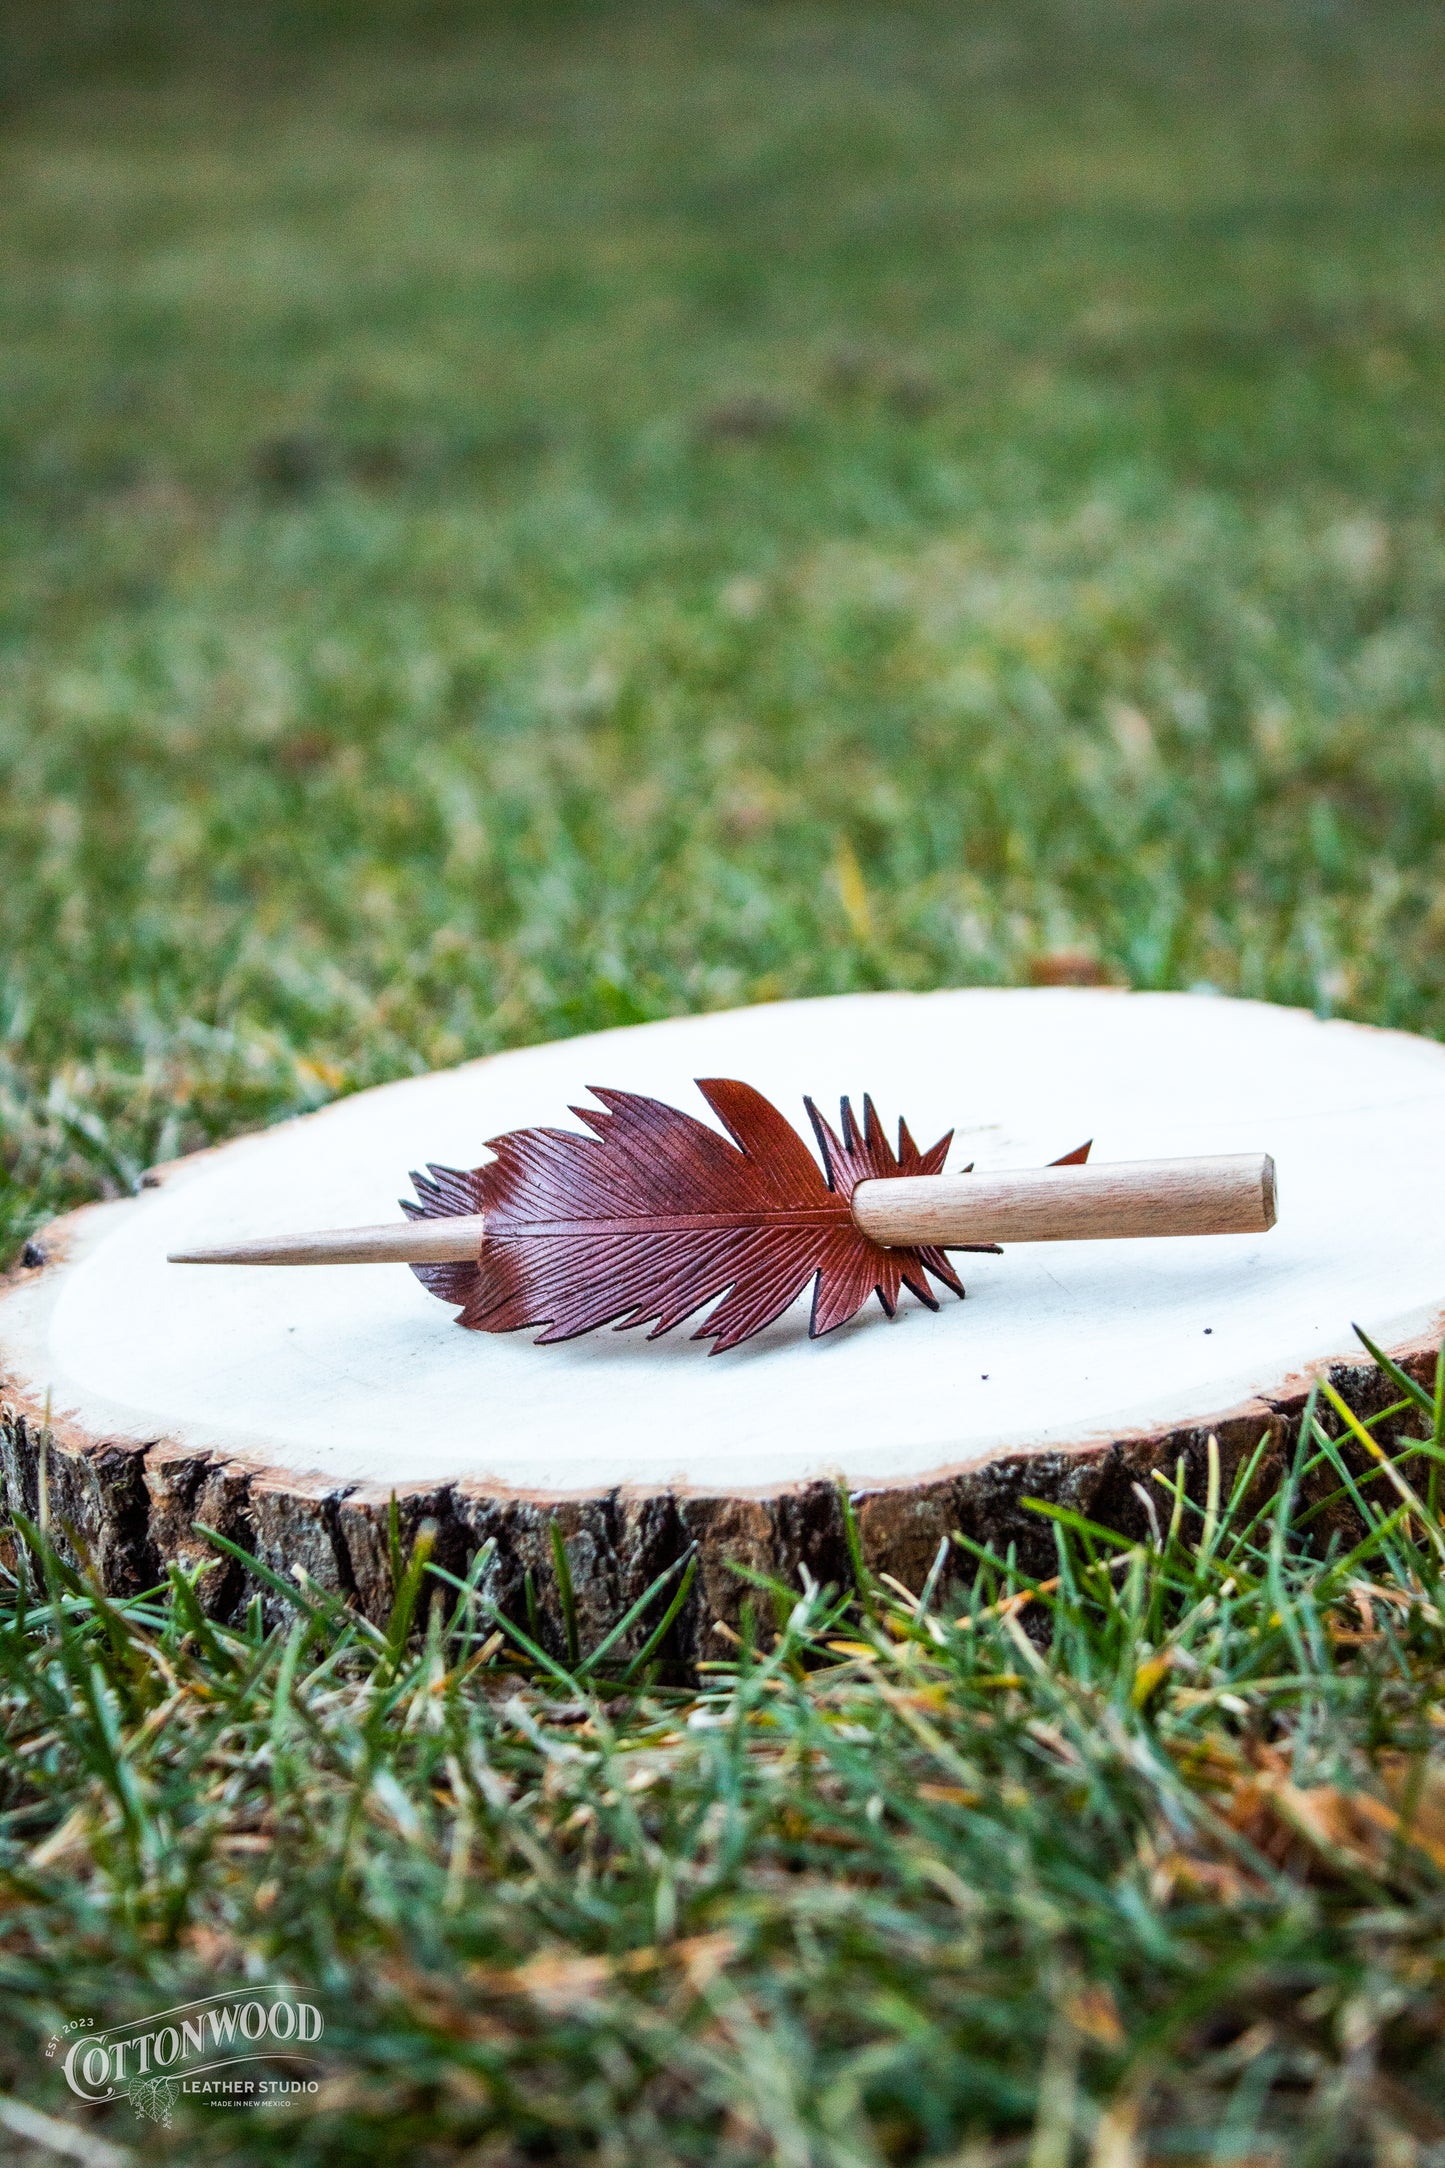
x=1232 y=1194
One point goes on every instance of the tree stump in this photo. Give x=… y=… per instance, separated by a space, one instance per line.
x=287 y=1408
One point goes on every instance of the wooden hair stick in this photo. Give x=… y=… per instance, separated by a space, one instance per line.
x=1231 y=1195
x=655 y=1214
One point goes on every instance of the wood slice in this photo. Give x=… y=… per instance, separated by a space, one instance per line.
x=286 y=1407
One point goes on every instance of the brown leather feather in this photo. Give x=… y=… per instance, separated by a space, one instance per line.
x=655 y=1215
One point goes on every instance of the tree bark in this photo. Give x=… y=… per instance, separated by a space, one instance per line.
x=127 y=1511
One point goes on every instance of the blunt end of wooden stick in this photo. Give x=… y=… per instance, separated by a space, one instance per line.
x=1230 y=1194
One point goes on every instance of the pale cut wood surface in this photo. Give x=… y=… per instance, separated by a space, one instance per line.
x=1228 y=1194
x=285 y=1407
x=364 y=1375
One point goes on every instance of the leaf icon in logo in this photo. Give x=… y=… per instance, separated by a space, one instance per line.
x=153 y=2097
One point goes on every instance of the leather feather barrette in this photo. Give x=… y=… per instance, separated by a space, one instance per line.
x=654 y=1215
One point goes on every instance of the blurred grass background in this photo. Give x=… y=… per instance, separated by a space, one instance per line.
x=521 y=519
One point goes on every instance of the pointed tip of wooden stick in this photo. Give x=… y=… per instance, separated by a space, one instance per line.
x=450 y=1240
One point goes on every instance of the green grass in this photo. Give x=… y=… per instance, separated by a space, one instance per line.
x=899 y=1882
x=498 y=526
x=521 y=520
